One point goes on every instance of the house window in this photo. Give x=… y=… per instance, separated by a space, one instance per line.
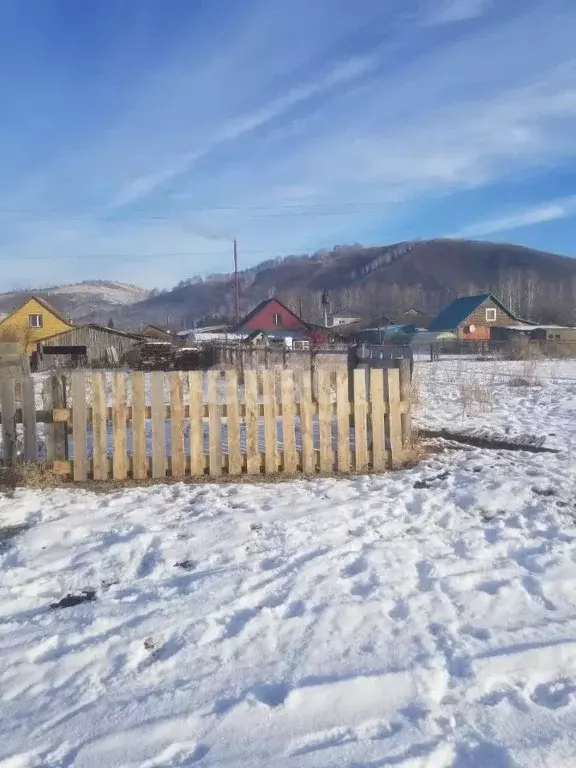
x=277 y=319
x=36 y=321
x=490 y=315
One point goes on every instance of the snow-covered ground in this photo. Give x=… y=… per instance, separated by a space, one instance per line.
x=423 y=619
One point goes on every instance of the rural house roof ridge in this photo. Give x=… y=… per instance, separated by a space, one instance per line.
x=43 y=303
x=460 y=309
x=260 y=307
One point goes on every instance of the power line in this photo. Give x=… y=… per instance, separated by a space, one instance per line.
x=138 y=257
x=269 y=211
x=145 y=256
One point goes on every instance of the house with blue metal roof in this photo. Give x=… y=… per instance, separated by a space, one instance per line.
x=472 y=318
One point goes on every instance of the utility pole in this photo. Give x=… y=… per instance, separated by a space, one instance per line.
x=236 y=286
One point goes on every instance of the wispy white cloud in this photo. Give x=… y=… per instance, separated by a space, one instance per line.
x=448 y=11
x=344 y=72
x=539 y=214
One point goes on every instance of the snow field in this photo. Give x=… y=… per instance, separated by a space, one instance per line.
x=423 y=619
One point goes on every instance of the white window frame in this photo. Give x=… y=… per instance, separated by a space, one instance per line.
x=491 y=315
x=277 y=319
x=38 y=317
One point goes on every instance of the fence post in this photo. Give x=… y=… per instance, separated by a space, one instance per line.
x=56 y=432
x=8 y=410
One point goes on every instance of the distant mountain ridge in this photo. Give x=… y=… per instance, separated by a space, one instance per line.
x=81 y=301
x=385 y=279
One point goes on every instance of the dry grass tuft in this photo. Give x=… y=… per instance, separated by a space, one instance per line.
x=419 y=451
x=475 y=394
x=36 y=475
x=521 y=382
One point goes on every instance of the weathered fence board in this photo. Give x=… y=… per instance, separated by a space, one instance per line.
x=196 y=410
x=233 y=424
x=8 y=410
x=79 y=425
x=177 y=426
x=394 y=415
x=290 y=455
x=140 y=461
x=214 y=423
x=270 y=438
x=360 y=432
x=158 y=425
x=119 y=454
x=99 y=427
x=325 y=412
x=343 y=419
x=117 y=425
x=379 y=455
x=251 y=400
x=306 y=423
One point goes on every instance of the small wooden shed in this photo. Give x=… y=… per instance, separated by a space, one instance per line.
x=89 y=345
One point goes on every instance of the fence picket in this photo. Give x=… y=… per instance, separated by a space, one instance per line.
x=394 y=420
x=307 y=423
x=233 y=424
x=343 y=418
x=139 y=458
x=158 y=424
x=195 y=379
x=8 y=410
x=214 y=423
x=177 y=425
x=405 y=398
x=270 y=439
x=119 y=456
x=79 y=425
x=360 y=435
x=289 y=454
x=99 y=427
x=29 y=419
x=58 y=385
x=251 y=401
x=325 y=420
x=379 y=456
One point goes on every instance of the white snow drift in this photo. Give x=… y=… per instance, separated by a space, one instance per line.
x=424 y=619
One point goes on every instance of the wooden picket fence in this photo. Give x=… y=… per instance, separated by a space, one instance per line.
x=99 y=426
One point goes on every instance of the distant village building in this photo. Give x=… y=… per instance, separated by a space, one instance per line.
x=473 y=318
x=161 y=334
x=345 y=317
x=31 y=322
x=274 y=319
x=88 y=345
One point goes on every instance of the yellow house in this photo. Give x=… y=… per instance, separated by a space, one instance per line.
x=31 y=322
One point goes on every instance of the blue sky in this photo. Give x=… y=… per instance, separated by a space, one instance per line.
x=139 y=137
